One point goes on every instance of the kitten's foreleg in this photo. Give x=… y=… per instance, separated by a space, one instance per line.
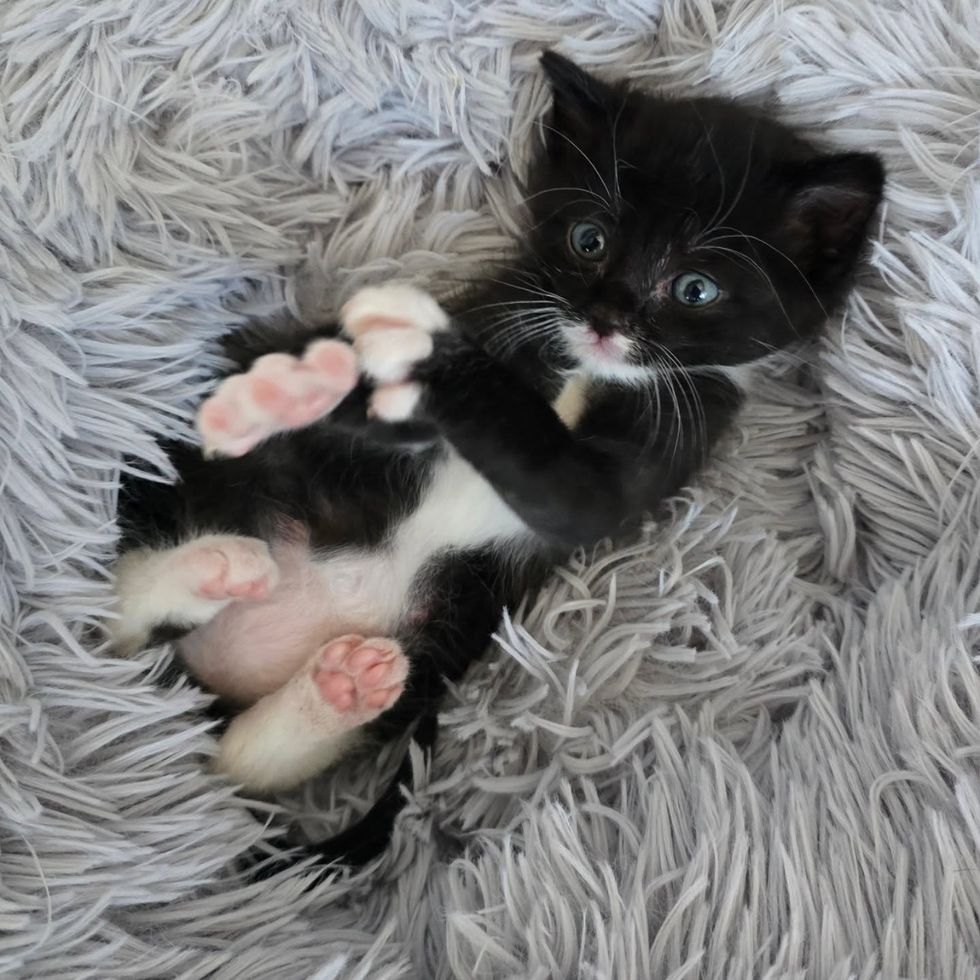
x=571 y=478
x=187 y=585
x=309 y=723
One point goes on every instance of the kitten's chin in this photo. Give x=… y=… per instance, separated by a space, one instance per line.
x=605 y=357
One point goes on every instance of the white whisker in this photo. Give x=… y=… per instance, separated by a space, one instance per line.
x=735 y=233
x=585 y=156
x=755 y=266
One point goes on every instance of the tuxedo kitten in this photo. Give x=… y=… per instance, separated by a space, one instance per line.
x=371 y=495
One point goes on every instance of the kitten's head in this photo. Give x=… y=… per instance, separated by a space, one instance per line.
x=692 y=231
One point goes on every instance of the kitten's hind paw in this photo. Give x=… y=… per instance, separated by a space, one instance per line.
x=360 y=678
x=278 y=393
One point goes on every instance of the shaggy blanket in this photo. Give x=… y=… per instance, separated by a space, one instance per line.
x=745 y=747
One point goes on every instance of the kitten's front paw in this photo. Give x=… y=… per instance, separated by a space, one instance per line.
x=393 y=305
x=392 y=327
x=278 y=393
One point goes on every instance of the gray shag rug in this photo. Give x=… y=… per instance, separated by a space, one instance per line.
x=746 y=747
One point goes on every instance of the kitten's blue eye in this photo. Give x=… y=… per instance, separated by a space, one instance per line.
x=695 y=289
x=588 y=241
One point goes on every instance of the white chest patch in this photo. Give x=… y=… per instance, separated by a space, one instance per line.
x=458 y=510
x=571 y=401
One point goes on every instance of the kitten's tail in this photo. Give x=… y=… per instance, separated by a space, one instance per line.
x=366 y=839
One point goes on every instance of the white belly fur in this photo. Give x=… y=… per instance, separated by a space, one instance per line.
x=251 y=649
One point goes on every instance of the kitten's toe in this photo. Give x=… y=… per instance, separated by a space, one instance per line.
x=360 y=678
x=387 y=354
x=392 y=327
x=278 y=393
x=393 y=304
x=334 y=361
x=224 y=421
x=292 y=392
x=395 y=402
x=226 y=566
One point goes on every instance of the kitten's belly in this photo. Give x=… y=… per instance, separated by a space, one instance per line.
x=251 y=648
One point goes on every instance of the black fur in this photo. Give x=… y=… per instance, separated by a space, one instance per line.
x=696 y=185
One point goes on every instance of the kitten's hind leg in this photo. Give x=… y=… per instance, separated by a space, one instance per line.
x=187 y=585
x=309 y=723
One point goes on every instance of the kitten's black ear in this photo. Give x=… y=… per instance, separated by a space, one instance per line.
x=581 y=101
x=831 y=201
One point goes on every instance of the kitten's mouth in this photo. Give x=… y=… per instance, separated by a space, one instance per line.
x=605 y=348
x=603 y=345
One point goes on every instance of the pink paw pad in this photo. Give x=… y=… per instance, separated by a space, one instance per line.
x=360 y=677
x=227 y=567
x=278 y=393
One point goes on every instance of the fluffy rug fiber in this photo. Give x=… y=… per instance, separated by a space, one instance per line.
x=746 y=747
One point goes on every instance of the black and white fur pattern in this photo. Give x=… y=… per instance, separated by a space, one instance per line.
x=371 y=496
